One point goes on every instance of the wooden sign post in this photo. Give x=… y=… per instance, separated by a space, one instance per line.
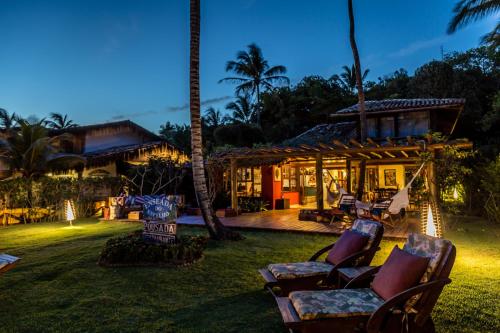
x=160 y=213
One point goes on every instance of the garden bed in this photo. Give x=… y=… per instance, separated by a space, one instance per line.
x=133 y=250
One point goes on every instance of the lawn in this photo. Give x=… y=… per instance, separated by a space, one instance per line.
x=59 y=288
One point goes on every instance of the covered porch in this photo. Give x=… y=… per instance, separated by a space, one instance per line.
x=309 y=174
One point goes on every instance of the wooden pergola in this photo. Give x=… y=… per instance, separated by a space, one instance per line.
x=389 y=151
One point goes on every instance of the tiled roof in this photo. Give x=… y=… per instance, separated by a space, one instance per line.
x=403 y=104
x=325 y=133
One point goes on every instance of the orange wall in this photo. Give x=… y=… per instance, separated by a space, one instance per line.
x=271 y=190
x=293 y=196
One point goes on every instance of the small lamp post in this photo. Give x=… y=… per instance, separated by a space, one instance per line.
x=431 y=219
x=69 y=211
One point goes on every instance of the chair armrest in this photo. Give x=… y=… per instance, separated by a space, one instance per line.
x=320 y=252
x=378 y=317
x=368 y=275
x=347 y=262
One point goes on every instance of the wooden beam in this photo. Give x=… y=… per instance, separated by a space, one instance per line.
x=348 y=178
x=325 y=146
x=389 y=141
x=309 y=147
x=389 y=154
x=364 y=155
x=404 y=153
x=234 y=185
x=373 y=143
x=340 y=144
x=319 y=181
x=356 y=143
x=376 y=154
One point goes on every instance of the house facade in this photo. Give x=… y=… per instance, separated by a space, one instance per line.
x=307 y=170
x=108 y=147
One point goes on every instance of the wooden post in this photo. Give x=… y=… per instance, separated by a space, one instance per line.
x=433 y=186
x=234 y=184
x=361 y=180
x=348 y=178
x=319 y=181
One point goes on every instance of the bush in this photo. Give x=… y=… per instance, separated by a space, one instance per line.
x=133 y=250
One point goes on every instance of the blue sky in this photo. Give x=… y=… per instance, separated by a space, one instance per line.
x=103 y=60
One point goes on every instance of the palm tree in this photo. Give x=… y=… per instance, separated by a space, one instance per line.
x=32 y=153
x=254 y=73
x=7 y=121
x=215 y=228
x=361 y=97
x=214 y=118
x=467 y=11
x=348 y=78
x=242 y=109
x=59 y=121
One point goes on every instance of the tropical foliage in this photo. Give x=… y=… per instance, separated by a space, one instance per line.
x=467 y=11
x=253 y=74
x=32 y=152
x=59 y=121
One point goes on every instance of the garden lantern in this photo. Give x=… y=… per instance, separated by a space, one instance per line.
x=69 y=211
x=430 y=219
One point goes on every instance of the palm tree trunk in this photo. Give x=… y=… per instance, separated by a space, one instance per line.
x=361 y=98
x=258 y=106
x=214 y=226
x=359 y=81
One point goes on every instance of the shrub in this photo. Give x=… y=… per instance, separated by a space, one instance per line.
x=133 y=250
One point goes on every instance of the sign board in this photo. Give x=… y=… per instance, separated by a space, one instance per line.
x=159 y=232
x=160 y=208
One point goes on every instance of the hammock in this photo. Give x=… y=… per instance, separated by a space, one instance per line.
x=330 y=195
x=401 y=199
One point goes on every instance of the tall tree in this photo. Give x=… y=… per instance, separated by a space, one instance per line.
x=467 y=11
x=215 y=228
x=347 y=79
x=7 y=121
x=254 y=73
x=361 y=97
x=60 y=121
x=214 y=118
x=242 y=109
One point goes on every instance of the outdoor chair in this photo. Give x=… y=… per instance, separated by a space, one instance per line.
x=356 y=247
x=380 y=212
x=7 y=262
x=400 y=298
x=346 y=206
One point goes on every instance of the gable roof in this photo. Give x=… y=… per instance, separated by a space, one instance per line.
x=403 y=105
x=110 y=125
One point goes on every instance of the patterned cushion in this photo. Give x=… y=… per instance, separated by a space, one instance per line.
x=352 y=272
x=299 y=269
x=312 y=305
x=427 y=246
x=367 y=227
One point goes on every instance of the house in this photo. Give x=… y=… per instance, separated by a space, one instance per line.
x=305 y=169
x=108 y=147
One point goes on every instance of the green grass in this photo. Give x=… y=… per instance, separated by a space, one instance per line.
x=59 y=288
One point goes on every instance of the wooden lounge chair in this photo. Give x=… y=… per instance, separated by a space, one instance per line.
x=314 y=274
x=363 y=310
x=346 y=207
x=7 y=262
x=380 y=212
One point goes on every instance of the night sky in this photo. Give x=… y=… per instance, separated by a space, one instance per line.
x=103 y=60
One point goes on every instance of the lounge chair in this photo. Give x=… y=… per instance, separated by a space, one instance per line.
x=315 y=274
x=345 y=207
x=406 y=309
x=380 y=212
x=7 y=262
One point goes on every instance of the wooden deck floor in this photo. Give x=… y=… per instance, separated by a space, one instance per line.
x=287 y=220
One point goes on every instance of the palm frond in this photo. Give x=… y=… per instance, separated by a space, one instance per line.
x=467 y=11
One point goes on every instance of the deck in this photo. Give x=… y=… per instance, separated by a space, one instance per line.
x=287 y=220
